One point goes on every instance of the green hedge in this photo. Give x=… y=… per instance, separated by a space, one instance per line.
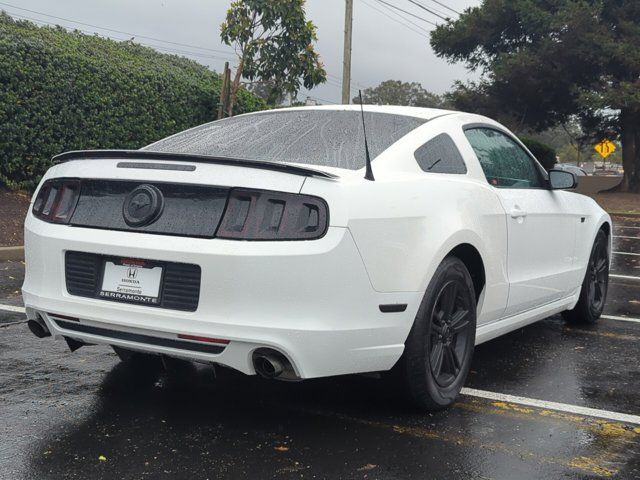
x=543 y=152
x=62 y=90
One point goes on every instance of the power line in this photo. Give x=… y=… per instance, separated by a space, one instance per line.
x=322 y=100
x=156 y=47
x=446 y=6
x=129 y=35
x=419 y=5
x=419 y=32
x=390 y=5
x=401 y=22
x=338 y=79
x=118 y=31
x=439 y=11
x=306 y=94
x=394 y=19
x=338 y=85
x=162 y=48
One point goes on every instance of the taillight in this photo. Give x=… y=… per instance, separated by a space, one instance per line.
x=267 y=215
x=57 y=200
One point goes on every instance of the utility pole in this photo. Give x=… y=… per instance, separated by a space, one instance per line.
x=346 y=64
x=227 y=92
x=222 y=104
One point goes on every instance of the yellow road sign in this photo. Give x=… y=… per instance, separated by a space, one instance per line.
x=605 y=148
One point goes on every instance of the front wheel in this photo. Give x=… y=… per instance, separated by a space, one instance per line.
x=439 y=348
x=594 y=286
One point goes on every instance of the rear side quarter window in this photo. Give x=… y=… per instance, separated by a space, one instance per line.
x=440 y=155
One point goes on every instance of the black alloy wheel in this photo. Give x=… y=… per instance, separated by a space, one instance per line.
x=598 y=276
x=439 y=349
x=593 y=294
x=450 y=327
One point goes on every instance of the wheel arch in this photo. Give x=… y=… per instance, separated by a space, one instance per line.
x=605 y=225
x=484 y=254
x=606 y=228
x=472 y=259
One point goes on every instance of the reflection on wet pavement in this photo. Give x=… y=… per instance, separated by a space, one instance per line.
x=63 y=411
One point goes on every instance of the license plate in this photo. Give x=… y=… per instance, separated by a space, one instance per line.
x=131 y=282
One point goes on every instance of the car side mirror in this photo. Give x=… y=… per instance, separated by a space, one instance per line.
x=562 y=180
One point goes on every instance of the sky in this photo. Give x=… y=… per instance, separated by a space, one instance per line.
x=387 y=43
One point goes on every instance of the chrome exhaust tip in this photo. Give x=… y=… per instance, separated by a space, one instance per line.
x=268 y=365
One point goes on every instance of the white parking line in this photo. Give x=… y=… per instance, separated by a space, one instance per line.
x=623 y=319
x=503 y=397
x=11 y=308
x=626 y=236
x=626 y=277
x=560 y=407
x=627 y=253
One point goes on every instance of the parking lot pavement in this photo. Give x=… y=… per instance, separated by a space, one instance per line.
x=626 y=231
x=11 y=277
x=84 y=415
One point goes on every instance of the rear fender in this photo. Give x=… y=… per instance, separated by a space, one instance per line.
x=405 y=227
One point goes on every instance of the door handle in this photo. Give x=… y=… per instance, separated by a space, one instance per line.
x=517 y=213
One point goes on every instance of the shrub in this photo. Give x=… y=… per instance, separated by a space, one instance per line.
x=545 y=154
x=66 y=90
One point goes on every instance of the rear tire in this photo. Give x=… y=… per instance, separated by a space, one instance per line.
x=593 y=293
x=439 y=349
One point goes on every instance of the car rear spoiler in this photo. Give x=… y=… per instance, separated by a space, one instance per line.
x=188 y=157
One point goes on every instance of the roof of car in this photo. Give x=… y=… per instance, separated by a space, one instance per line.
x=425 y=113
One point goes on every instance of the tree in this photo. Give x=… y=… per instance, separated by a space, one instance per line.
x=274 y=44
x=543 y=152
x=63 y=90
x=268 y=92
x=395 y=92
x=567 y=139
x=544 y=62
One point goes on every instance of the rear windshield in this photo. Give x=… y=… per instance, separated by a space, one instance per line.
x=314 y=137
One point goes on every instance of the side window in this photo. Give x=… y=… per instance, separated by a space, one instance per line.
x=440 y=155
x=504 y=162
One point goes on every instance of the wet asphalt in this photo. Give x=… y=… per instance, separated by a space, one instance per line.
x=85 y=415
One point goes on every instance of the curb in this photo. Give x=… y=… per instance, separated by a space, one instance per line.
x=11 y=253
x=624 y=214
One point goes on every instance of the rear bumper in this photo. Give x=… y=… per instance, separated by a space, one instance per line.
x=311 y=301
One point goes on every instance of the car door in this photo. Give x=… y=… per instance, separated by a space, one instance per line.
x=540 y=228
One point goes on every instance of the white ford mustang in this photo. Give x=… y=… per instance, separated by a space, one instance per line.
x=269 y=243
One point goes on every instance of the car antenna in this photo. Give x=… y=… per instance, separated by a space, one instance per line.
x=369 y=172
